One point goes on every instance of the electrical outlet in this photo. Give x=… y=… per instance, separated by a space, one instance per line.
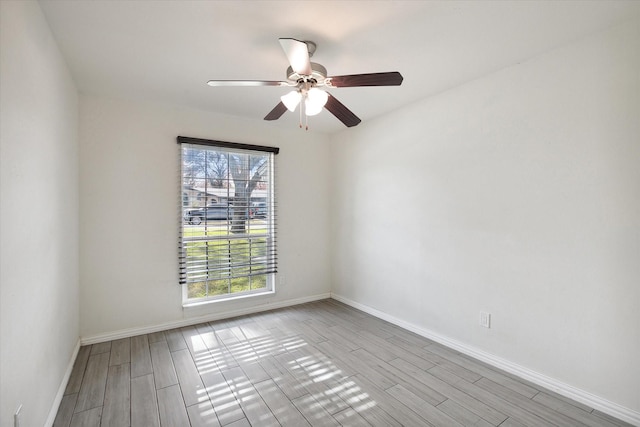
x=485 y=319
x=16 y=417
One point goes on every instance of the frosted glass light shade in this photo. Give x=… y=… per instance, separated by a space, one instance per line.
x=291 y=100
x=316 y=98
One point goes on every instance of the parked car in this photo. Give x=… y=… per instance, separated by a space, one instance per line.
x=212 y=212
x=260 y=210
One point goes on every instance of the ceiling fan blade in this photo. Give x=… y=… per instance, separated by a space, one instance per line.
x=219 y=83
x=392 y=78
x=277 y=112
x=298 y=54
x=342 y=113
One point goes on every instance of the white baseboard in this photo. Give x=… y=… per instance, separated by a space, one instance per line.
x=63 y=386
x=589 y=399
x=131 y=332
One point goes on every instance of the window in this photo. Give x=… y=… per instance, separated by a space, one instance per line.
x=227 y=239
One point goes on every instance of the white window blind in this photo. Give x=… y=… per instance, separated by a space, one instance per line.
x=227 y=242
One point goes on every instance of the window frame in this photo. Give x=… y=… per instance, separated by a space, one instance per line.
x=270 y=227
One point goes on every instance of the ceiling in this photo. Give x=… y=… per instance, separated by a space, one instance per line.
x=165 y=51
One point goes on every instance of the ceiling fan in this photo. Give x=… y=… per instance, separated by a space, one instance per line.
x=308 y=80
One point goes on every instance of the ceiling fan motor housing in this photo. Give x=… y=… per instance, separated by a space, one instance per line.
x=318 y=74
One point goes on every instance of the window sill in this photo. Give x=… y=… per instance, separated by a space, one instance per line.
x=201 y=303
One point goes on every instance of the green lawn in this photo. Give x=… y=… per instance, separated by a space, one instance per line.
x=223 y=287
x=224 y=255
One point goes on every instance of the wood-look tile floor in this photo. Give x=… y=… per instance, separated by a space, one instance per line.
x=318 y=364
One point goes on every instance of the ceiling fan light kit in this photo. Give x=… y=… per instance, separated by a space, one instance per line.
x=307 y=78
x=315 y=101
x=291 y=100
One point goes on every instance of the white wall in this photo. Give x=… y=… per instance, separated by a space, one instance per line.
x=39 y=295
x=129 y=193
x=516 y=194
